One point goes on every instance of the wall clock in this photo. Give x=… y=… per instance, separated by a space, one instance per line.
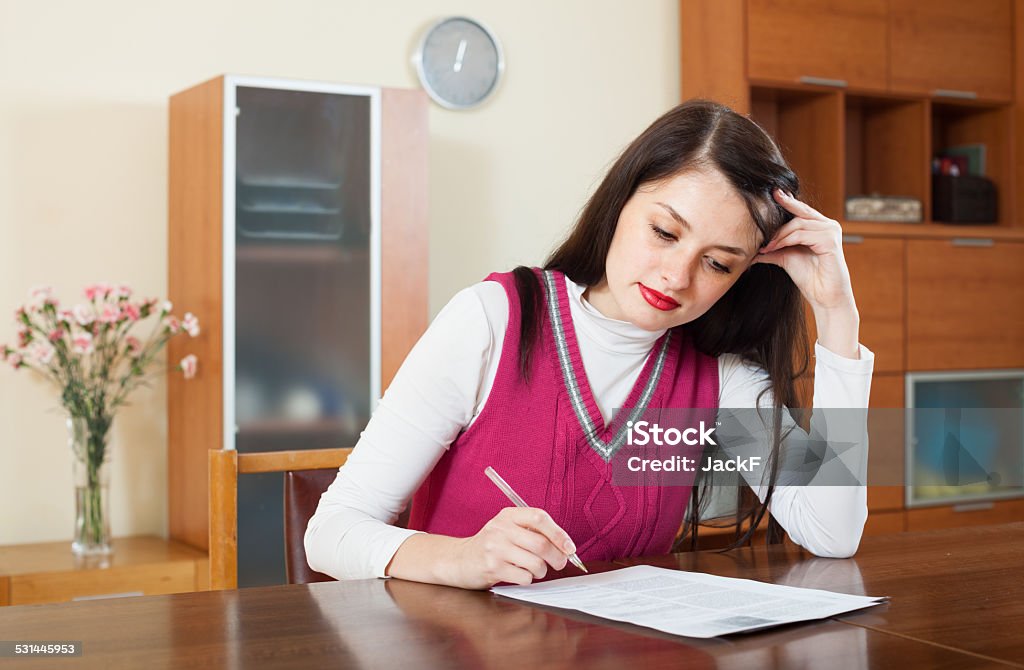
x=459 y=62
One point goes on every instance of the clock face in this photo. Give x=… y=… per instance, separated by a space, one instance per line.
x=459 y=63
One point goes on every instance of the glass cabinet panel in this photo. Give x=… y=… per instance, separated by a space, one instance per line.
x=302 y=375
x=966 y=436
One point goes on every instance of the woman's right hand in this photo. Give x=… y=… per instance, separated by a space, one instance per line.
x=516 y=546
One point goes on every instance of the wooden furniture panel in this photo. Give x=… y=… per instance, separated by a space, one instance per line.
x=885 y=523
x=808 y=127
x=194 y=280
x=965 y=305
x=965 y=515
x=886 y=450
x=952 y=45
x=48 y=572
x=877 y=273
x=712 y=50
x=404 y=226
x=888 y=148
x=844 y=40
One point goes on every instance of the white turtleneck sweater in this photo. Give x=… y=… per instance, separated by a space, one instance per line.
x=444 y=383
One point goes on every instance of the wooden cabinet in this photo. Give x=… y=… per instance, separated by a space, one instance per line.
x=951 y=47
x=49 y=573
x=298 y=235
x=910 y=79
x=967 y=514
x=965 y=304
x=843 y=42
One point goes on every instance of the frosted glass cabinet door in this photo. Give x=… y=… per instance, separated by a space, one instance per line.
x=302 y=292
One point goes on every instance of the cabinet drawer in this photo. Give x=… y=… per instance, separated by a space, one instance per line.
x=841 y=40
x=965 y=305
x=966 y=514
x=153 y=579
x=952 y=45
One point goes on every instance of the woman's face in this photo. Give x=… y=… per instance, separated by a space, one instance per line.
x=679 y=245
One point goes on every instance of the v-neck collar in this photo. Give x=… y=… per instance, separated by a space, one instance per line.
x=605 y=440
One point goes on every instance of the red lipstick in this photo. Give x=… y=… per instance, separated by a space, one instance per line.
x=657 y=300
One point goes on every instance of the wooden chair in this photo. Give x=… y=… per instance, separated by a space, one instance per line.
x=225 y=466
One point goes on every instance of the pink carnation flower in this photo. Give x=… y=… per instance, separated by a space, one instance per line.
x=110 y=314
x=190 y=324
x=188 y=366
x=171 y=324
x=134 y=345
x=24 y=336
x=56 y=334
x=83 y=314
x=82 y=343
x=42 y=352
x=41 y=295
x=130 y=311
x=14 y=358
x=97 y=291
x=123 y=291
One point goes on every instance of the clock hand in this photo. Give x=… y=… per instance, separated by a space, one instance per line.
x=457 y=67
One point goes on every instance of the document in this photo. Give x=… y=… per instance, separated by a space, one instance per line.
x=693 y=604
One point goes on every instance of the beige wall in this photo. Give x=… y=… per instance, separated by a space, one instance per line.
x=83 y=166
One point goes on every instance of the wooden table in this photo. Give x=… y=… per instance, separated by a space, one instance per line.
x=48 y=572
x=957 y=601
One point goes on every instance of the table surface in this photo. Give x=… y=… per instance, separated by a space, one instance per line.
x=957 y=600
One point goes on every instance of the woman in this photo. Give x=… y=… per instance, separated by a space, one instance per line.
x=680 y=286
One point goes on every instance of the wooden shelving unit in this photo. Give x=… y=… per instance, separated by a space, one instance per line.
x=860 y=96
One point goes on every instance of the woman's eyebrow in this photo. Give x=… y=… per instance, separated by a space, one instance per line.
x=735 y=251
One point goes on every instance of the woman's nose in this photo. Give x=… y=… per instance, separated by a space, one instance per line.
x=677 y=272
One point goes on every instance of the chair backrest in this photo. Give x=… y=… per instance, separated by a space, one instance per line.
x=302 y=491
x=225 y=467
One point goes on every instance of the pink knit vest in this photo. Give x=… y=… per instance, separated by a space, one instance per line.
x=549 y=442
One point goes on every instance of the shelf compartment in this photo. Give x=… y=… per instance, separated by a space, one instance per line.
x=958 y=123
x=808 y=127
x=887 y=148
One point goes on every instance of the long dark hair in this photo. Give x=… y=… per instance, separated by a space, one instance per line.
x=760 y=318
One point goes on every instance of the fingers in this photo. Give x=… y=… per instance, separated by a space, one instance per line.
x=820 y=234
x=512 y=547
x=540 y=521
x=796 y=207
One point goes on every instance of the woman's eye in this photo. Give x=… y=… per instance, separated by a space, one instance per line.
x=717 y=267
x=662 y=233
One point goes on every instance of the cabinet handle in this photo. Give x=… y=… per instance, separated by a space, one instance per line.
x=973 y=242
x=853 y=239
x=951 y=93
x=823 y=81
x=973 y=507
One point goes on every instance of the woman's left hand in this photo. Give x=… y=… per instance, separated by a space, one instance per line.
x=810 y=249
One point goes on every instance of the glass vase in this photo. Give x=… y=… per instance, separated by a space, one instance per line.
x=91 y=472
